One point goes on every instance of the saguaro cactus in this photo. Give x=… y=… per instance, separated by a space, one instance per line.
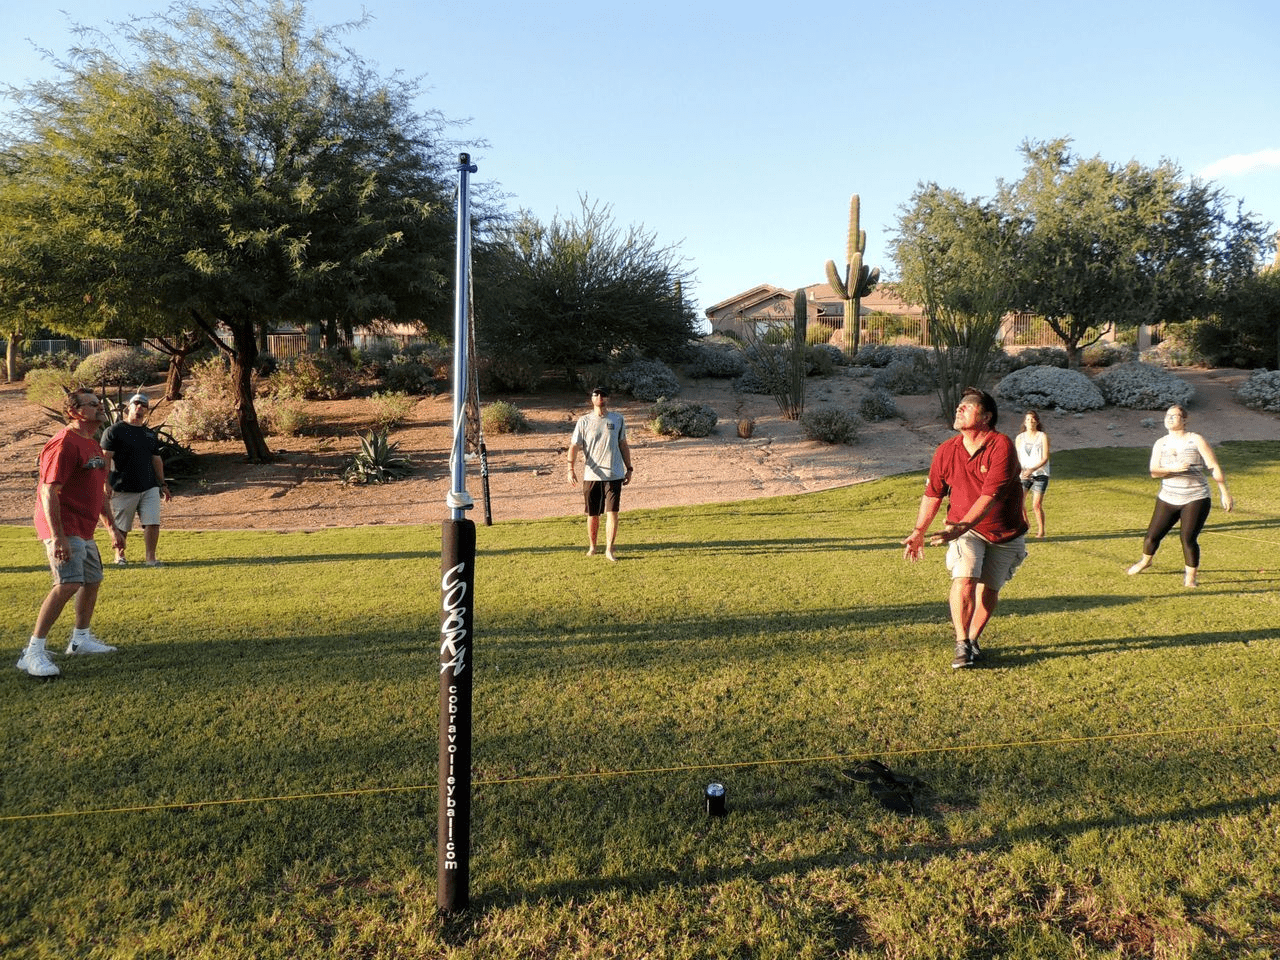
x=858 y=280
x=798 y=371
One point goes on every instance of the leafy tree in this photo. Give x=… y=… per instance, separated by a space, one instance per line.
x=229 y=172
x=576 y=292
x=1102 y=245
x=952 y=258
x=1245 y=330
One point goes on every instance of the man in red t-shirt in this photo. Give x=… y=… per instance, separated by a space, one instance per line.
x=69 y=501
x=985 y=524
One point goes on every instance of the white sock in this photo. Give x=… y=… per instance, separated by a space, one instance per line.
x=35 y=644
x=80 y=633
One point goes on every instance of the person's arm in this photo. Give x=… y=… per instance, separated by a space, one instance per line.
x=51 y=507
x=625 y=449
x=107 y=458
x=973 y=516
x=914 y=543
x=157 y=465
x=1211 y=461
x=573 y=456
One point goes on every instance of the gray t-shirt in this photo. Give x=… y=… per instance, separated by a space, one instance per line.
x=601 y=440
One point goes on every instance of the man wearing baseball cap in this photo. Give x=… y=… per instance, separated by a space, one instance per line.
x=135 y=477
x=601 y=435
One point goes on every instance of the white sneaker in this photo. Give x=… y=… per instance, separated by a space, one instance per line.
x=37 y=663
x=89 y=644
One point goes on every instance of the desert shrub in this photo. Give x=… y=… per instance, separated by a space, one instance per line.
x=647 y=380
x=47 y=387
x=377 y=461
x=881 y=355
x=315 y=376
x=682 y=418
x=503 y=417
x=390 y=408
x=817 y=333
x=283 y=416
x=905 y=377
x=1183 y=346
x=1034 y=357
x=510 y=374
x=406 y=375
x=822 y=359
x=437 y=354
x=1141 y=386
x=1261 y=391
x=1103 y=354
x=767 y=370
x=59 y=360
x=1044 y=388
x=207 y=410
x=119 y=367
x=877 y=404
x=830 y=425
x=375 y=357
x=715 y=360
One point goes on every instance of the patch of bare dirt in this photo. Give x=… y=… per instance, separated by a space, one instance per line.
x=303 y=490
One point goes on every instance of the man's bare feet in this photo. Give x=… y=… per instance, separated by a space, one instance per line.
x=608 y=555
x=591 y=551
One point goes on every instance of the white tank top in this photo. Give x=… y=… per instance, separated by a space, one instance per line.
x=1031 y=452
x=1182 y=454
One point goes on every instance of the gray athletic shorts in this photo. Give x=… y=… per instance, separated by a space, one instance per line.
x=991 y=564
x=83 y=566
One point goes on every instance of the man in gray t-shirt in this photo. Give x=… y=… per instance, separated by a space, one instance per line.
x=606 y=467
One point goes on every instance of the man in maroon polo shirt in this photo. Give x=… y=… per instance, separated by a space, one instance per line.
x=986 y=527
x=70 y=501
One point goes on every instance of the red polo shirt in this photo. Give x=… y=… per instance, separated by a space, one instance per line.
x=77 y=464
x=991 y=470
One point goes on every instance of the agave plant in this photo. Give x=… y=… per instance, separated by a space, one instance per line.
x=377 y=461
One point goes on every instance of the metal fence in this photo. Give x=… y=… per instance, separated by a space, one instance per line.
x=1017 y=330
x=85 y=348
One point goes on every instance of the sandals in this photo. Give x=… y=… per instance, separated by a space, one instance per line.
x=892 y=791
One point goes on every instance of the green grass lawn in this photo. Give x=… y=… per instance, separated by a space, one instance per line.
x=253 y=774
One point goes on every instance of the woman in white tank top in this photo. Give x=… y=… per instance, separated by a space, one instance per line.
x=1033 y=460
x=1183 y=462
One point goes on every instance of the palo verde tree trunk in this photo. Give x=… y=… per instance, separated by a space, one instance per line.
x=242 y=363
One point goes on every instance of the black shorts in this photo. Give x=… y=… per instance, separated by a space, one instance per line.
x=602 y=496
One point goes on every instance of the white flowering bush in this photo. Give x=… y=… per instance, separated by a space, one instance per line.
x=1043 y=388
x=1141 y=386
x=647 y=380
x=1261 y=391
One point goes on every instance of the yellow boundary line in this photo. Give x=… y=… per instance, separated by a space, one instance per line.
x=646 y=771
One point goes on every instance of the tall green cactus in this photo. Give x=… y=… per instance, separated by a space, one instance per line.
x=858 y=281
x=798 y=365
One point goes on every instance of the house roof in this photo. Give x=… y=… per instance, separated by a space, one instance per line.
x=748 y=298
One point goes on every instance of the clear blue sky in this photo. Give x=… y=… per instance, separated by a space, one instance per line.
x=740 y=133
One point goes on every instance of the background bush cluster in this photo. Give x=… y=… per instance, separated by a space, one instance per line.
x=1045 y=388
x=682 y=418
x=1141 y=386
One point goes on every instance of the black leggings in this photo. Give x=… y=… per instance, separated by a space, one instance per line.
x=1192 y=517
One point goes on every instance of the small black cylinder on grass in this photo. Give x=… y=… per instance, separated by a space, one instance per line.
x=715 y=797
